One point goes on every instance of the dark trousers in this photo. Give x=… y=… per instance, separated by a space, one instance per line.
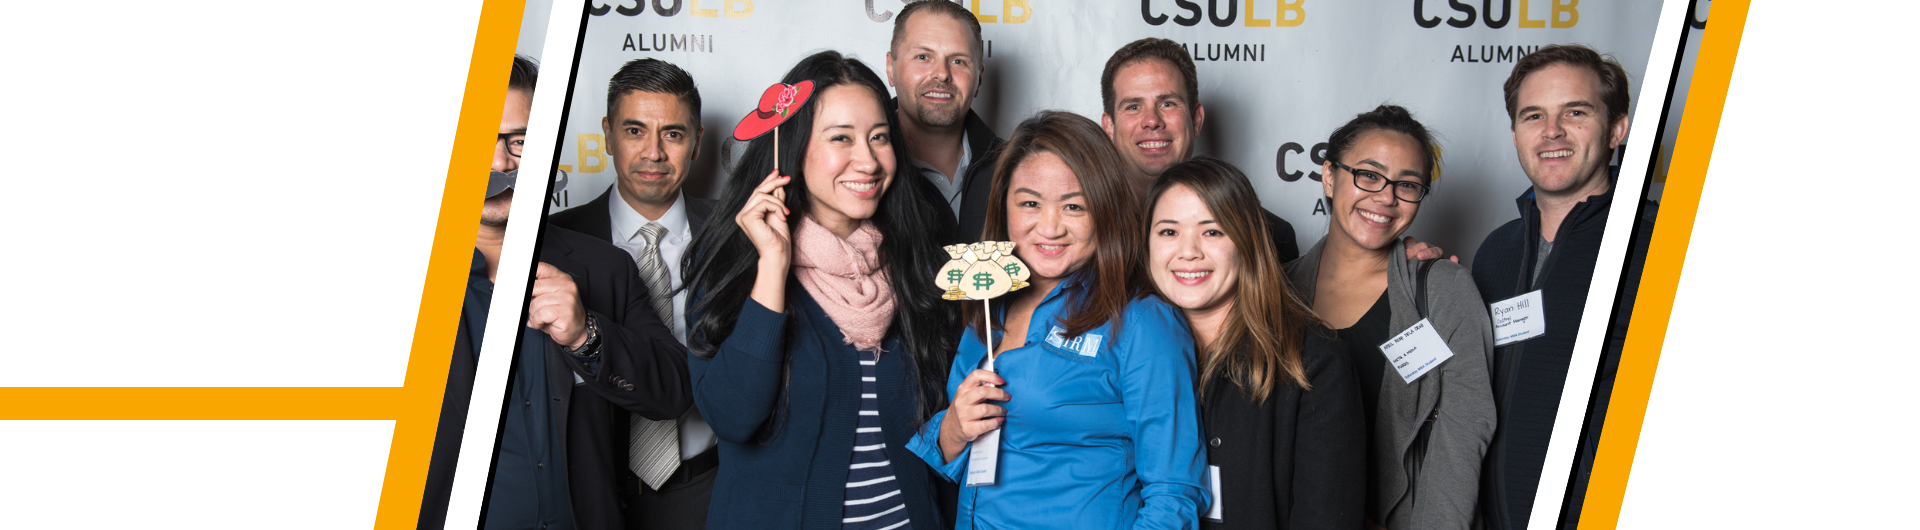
x=682 y=504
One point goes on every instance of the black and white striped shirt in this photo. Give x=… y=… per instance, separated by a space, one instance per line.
x=873 y=499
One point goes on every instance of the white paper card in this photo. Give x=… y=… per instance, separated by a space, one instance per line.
x=1518 y=318
x=983 y=456
x=1213 y=475
x=983 y=453
x=1416 y=351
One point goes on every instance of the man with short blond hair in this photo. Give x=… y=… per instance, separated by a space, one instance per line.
x=935 y=65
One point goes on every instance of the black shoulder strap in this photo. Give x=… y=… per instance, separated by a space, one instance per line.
x=1420 y=288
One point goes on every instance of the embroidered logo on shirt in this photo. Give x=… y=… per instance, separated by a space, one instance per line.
x=1086 y=345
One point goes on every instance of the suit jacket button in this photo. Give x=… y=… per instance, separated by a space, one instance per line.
x=1215 y=442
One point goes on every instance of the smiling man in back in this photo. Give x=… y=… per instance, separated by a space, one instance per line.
x=935 y=65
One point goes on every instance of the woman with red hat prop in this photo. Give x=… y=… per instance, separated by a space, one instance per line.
x=818 y=350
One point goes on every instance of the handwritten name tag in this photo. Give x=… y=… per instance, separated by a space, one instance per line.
x=1518 y=318
x=1416 y=351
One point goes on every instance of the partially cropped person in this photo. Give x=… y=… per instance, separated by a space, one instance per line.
x=1429 y=408
x=1285 y=432
x=1093 y=381
x=815 y=355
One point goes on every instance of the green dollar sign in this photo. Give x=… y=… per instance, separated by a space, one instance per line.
x=953 y=276
x=982 y=281
x=1013 y=269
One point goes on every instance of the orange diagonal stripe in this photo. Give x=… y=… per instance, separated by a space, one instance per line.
x=1613 y=460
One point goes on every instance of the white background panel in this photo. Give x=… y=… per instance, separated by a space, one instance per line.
x=223 y=193
x=192 y=474
x=1782 y=398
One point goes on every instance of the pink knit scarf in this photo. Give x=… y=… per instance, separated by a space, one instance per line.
x=844 y=275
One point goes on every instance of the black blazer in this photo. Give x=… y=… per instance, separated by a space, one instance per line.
x=641 y=369
x=1297 y=460
x=1284 y=243
x=594 y=220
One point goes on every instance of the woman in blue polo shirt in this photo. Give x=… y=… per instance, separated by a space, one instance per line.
x=1093 y=388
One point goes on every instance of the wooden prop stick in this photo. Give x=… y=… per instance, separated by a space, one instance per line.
x=780 y=192
x=986 y=306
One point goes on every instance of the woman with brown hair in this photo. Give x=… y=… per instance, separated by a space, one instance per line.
x=1285 y=432
x=1091 y=383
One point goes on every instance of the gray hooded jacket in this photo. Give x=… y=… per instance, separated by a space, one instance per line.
x=1445 y=479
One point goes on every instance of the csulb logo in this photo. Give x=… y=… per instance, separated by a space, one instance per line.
x=1011 y=12
x=1318 y=154
x=668 y=8
x=1285 y=14
x=1560 y=14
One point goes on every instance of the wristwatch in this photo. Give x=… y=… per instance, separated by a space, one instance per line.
x=592 y=345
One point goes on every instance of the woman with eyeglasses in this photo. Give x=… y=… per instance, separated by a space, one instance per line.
x=1429 y=415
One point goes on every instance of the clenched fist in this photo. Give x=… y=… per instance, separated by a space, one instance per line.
x=555 y=308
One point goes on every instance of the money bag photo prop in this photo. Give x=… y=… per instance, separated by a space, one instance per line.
x=950 y=274
x=985 y=278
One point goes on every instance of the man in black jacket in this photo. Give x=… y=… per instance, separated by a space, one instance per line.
x=935 y=65
x=591 y=352
x=1569 y=110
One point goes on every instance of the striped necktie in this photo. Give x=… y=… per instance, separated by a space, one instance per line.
x=653 y=449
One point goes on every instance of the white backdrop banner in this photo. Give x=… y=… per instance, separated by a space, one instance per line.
x=1276 y=77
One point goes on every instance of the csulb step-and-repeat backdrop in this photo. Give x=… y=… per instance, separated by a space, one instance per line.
x=1276 y=77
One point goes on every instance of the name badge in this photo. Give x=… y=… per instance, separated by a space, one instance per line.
x=983 y=453
x=1416 y=351
x=1213 y=475
x=1518 y=318
x=983 y=456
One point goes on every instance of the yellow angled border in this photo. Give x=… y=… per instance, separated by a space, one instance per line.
x=418 y=412
x=415 y=406
x=1667 y=252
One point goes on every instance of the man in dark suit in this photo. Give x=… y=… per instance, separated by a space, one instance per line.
x=653 y=136
x=592 y=353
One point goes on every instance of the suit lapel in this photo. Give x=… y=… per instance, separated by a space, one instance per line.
x=697 y=212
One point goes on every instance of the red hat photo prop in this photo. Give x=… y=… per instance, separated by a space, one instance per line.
x=775 y=107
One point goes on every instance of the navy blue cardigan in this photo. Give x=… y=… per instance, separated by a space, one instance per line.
x=795 y=475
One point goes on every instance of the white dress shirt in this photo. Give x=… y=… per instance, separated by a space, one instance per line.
x=695 y=435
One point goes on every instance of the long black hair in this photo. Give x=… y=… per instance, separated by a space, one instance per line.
x=721 y=262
